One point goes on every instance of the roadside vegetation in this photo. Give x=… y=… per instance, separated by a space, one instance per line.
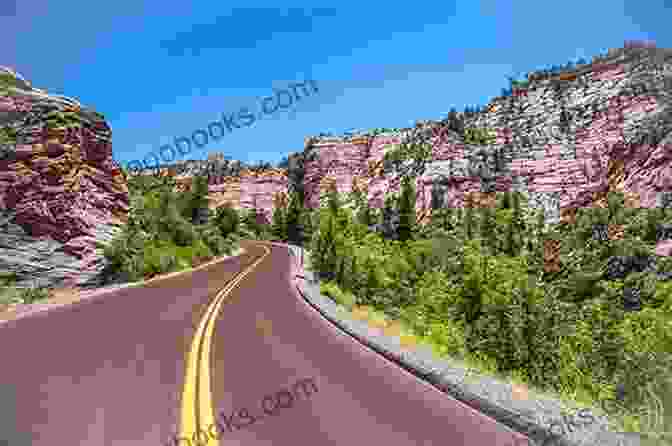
x=582 y=310
x=171 y=231
x=11 y=294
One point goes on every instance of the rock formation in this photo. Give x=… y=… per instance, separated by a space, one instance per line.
x=565 y=140
x=61 y=193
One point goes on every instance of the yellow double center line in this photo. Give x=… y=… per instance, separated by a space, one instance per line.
x=197 y=411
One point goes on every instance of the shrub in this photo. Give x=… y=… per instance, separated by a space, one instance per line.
x=167 y=262
x=435 y=301
x=447 y=338
x=647 y=348
x=10 y=295
x=33 y=294
x=332 y=290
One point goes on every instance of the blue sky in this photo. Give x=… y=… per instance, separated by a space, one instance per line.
x=159 y=69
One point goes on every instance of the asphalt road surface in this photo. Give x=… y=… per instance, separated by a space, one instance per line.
x=227 y=355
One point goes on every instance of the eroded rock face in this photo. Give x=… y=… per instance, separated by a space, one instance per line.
x=61 y=193
x=565 y=142
x=258 y=189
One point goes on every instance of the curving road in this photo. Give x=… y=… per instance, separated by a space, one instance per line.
x=229 y=355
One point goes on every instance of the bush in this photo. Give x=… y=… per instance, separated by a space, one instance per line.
x=10 y=295
x=200 y=249
x=597 y=343
x=167 y=262
x=332 y=290
x=435 y=301
x=447 y=338
x=33 y=294
x=227 y=220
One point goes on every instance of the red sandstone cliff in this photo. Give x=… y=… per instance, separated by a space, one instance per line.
x=61 y=193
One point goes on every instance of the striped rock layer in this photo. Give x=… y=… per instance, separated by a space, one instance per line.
x=565 y=141
x=61 y=194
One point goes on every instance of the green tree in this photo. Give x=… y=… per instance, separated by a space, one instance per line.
x=365 y=216
x=518 y=216
x=251 y=220
x=195 y=209
x=360 y=198
x=506 y=201
x=295 y=219
x=309 y=222
x=488 y=228
x=325 y=245
x=172 y=226
x=227 y=220
x=406 y=207
x=388 y=229
x=279 y=223
x=511 y=240
x=474 y=283
x=468 y=222
x=333 y=200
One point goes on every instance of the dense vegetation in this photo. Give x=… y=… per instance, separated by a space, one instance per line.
x=170 y=231
x=588 y=319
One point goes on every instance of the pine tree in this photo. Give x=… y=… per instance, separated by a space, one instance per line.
x=459 y=216
x=406 y=209
x=488 y=228
x=279 y=223
x=251 y=220
x=442 y=218
x=518 y=218
x=315 y=247
x=362 y=203
x=365 y=215
x=330 y=235
x=199 y=204
x=448 y=219
x=227 y=220
x=354 y=273
x=512 y=240
x=309 y=222
x=388 y=229
x=506 y=201
x=333 y=200
x=295 y=219
x=468 y=223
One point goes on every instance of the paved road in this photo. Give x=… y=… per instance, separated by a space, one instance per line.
x=231 y=350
